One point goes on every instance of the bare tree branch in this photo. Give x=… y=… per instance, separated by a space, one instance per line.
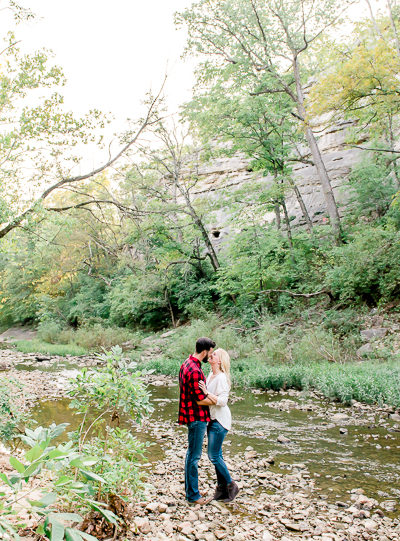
x=148 y=121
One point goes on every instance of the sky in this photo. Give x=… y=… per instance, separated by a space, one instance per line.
x=113 y=52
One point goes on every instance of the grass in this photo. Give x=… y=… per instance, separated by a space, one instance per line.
x=90 y=338
x=308 y=355
x=39 y=346
x=370 y=382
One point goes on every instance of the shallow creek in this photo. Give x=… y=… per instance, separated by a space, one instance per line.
x=361 y=451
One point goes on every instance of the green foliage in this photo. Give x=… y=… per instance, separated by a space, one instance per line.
x=317 y=345
x=89 y=337
x=342 y=322
x=373 y=186
x=184 y=339
x=359 y=79
x=49 y=331
x=85 y=473
x=12 y=416
x=88 y=302
x=365 y=269
x=393 y=215
x=138 y=300
x=111 y=389
x=272 y=342
x=41 y=457
x=95 y=337
x=37 y=346
x=262 y=260
x=303 y=356
x=120 y=465
x=369 y=382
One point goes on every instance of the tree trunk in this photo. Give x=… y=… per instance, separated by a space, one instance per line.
x=396 y=36
x=277 y=216
x=287 y=222
x=376 y=27
x=316 y=154
x=303 y=207
x=171 y=312
x=210 y=248
x=391 y=146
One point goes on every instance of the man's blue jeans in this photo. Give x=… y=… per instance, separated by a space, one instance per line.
x=216 y=434
x=196 y=432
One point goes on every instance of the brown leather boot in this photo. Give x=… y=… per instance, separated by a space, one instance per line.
x=233 y=490
x=221 y=492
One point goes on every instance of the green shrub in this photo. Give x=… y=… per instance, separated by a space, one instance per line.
x=369 y=382
x=272 y=342
x=366 y=269
x=49 y=331
x=12 y=416
x=317 y=345
x=372 y=185
x=119 y=467
x=37 y=346
x=96 y=337
x=183 y=341
x=343 y=322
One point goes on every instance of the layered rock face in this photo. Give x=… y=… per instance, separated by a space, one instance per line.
x=230 y=173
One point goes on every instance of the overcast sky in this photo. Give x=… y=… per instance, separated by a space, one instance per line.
x=113 y=52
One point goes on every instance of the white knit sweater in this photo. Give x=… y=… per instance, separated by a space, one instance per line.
x=218 y=385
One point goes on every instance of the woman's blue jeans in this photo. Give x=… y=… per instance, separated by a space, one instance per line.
x=216 y=434
x=196 y=432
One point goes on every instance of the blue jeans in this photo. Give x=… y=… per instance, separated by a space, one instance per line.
x=216 y=434
x=196 y=433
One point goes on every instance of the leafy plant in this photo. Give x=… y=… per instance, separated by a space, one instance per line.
x=12 y=416
x=41 y=456
x=101 y=396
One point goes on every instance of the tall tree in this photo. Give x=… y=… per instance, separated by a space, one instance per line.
x=361 y=83
x=262 y=42
x=261 y=127
x=175 y=166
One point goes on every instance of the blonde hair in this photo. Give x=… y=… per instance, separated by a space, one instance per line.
x=225 y=361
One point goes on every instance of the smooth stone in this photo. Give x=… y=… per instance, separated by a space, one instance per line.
x=142 y=524
x=338 y=417
x=282 y=439
x=370 y=525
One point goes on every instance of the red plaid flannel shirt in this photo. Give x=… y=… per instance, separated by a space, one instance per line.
x=189 y=376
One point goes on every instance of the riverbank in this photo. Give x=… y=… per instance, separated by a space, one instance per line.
x=285 y=500
x=270 y=505
x=359 y=362
x=370 y=382
x=348 y=356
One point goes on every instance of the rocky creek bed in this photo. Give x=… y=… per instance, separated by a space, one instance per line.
x=307 y=468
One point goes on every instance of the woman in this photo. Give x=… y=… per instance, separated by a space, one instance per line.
x=217 y=388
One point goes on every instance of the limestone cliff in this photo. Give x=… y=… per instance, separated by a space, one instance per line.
x=232 y=172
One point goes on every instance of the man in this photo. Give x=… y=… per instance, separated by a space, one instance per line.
x=193 y=415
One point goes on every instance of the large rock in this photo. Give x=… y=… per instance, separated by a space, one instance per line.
x=142 y=524
x=375 y=332
x=340 y=417
x=365 y=350
x=235 y=172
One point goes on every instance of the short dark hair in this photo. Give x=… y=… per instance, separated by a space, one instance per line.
x=204 y=344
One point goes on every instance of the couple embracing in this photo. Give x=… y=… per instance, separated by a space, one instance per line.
x=203 y=408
